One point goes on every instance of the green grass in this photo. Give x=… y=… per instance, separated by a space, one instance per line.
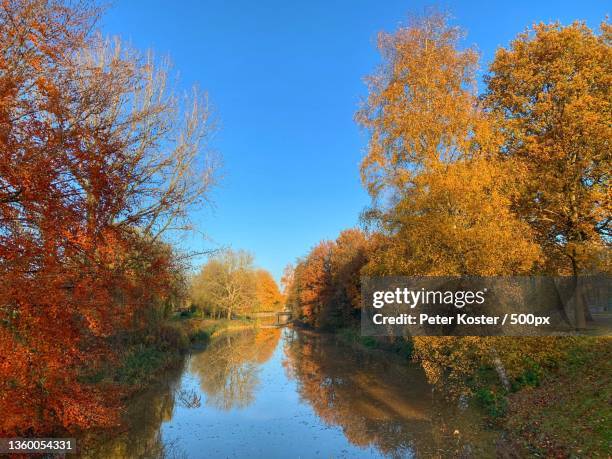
x=353 y=336
x=140 y=364
x=494 y=404
x=200 y=331
x=568 y=413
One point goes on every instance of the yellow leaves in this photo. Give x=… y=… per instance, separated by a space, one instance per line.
x=433 y=150
x=422 y=106
x=268 y=295
x=554 y=86
x=457 y=220
x=493 y=190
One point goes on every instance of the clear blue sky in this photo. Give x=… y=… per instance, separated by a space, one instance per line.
x=285 y=78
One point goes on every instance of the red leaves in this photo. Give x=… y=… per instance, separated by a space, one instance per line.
x=71 y=276
x=325 y=285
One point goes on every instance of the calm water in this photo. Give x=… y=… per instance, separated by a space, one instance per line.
x=286 y=393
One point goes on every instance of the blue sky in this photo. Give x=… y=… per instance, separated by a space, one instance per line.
x=285 y=78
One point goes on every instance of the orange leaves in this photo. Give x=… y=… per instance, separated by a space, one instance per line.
x=325 y=285
x=421 y=107
x=46 y=87
x=80 y=259
x=516 y=182
x=553 y=85
x=432 y=157
x=457 y=220
x=268 y=295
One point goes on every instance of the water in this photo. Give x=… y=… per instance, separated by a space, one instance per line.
x=286 y=393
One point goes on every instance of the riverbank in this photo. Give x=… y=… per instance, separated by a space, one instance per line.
x=571 y=396
x=142 y=361
x=567 y=412
x=201 y=330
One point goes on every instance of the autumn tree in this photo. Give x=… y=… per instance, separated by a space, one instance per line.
x=421 y=107
x=552 y=87
x=348 y=256
x=293 y=289
x=269 y=297
x=311 y=285
x=457 y=220
x=432 y=155
x=287 y=278
x=325 y=288
x=227 y=284
x=442 y=195
x=98 y=160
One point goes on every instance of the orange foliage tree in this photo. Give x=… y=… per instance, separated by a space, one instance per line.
x=325 y=289
x=89 y=181
x=269 y=297
x=513 y=183
x=436 y=152
x=458 y=174
x=553 y=87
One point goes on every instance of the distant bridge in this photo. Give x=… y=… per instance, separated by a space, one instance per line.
x=280 y=318
x=283 y=317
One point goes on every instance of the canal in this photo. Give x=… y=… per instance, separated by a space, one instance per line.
x=288 y=393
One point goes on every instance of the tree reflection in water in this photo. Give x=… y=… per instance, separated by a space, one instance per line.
x=228 y=371
x=382 y=405
x=380 y=401
x=229 y=367
x=140 y=436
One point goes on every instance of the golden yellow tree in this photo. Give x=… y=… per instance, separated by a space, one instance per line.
x=269 y=298
x=422 y=106
x=457 y=220
x=433 y=155
x=434 y=158
x=226 y=284
x=553 y=87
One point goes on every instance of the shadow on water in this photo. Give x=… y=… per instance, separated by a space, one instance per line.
x=140 y=436
x=272 y=393
x=381 y=401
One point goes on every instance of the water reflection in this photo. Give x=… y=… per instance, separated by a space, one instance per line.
x=381 y=402
x=228 y=368
x=228 y=374
x=140 y=436
x=251 y=394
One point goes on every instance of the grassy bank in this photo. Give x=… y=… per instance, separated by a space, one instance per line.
x=353 y=337
x=200 y=330
x=560 y=411
x=568 y=413
x=143 y=357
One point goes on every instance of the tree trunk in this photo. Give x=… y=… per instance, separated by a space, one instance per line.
x=580 y=318
x=501 y=370
x=560 y=304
